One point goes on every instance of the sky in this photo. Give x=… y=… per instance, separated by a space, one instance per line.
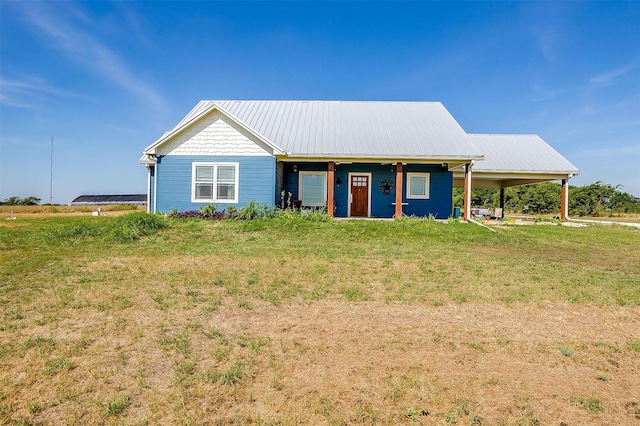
x=106 y=79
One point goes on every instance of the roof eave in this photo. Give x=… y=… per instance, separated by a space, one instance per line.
x=520 y=174
x=147 y=159
x=431 y=159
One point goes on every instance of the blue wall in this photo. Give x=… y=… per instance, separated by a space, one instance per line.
x=256 y=175
x=439 y=203
x=290 y=179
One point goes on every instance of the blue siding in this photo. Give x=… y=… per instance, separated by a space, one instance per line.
x=439 y=203
x=291 y=178
x=257 y=181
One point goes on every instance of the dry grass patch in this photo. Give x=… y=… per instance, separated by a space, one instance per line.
x=267 y=323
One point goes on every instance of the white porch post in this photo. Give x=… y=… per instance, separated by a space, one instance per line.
x=466 y=213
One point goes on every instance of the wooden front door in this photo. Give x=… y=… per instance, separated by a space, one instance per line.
x=360 y=195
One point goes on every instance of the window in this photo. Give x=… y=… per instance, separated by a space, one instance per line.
x=418 y=185
x=214 y=182
x=313 y=188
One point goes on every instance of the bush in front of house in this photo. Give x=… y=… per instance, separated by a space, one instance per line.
x=252 y=210
x=132 y=226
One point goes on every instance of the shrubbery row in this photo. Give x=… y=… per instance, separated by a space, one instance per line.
x=252 y=210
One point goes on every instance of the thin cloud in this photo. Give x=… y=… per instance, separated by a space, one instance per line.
x=607 y=78
x=16 y=93
x=82 y=47
x=542 y=94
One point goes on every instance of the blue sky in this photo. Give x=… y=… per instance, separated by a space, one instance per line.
x=106 y=79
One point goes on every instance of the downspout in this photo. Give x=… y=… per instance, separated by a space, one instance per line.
x=148 y=188
x=155 y=187
x=475 y=222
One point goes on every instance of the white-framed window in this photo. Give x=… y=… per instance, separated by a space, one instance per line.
x=214 y=182
x=312 y=188
x=418 y=185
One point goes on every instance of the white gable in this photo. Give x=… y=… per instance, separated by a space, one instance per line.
x=214 y=134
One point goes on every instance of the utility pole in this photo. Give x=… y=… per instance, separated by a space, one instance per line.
x=51 y=176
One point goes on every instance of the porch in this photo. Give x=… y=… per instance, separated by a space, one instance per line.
x=367 y=189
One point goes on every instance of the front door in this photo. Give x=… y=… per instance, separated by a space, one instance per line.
x=360 y=195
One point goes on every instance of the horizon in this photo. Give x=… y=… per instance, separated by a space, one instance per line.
x=106 y=79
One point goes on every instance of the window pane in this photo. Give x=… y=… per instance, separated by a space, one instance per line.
x=313 y=189
x=226 y=191
x=204 y=173
x=226 y=173
x=204 y=191
x=418 y=185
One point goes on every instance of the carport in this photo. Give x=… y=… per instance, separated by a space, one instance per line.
x=513 y=160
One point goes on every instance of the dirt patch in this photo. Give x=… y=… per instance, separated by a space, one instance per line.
x=503 y=364
x=334 y=362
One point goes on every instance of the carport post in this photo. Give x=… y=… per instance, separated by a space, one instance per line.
x=502 y=202
x=564 y=200
x=466 y=206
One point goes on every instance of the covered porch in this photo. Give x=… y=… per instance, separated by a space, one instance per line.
x=364 y=188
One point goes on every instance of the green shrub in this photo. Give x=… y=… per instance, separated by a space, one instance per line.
x=132 y=226
x=253 y=210
x=310 y=215
x=209 y=210
x=232 y=210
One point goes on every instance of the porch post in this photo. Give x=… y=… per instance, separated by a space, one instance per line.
x=330 y=188
x=502 y=202
x=398 y=214
x=564 y=200
x=466 y=214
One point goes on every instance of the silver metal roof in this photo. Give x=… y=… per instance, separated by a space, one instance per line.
x=519 y=153
x=348 y=128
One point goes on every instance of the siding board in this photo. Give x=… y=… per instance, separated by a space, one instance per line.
x=256 y=181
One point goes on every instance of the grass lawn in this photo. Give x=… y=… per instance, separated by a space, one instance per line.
x=108 y=320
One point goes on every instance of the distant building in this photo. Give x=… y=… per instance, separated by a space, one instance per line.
x=109 y=200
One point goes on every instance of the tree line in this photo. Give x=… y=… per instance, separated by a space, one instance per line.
x=17 y=201
x=595 y=199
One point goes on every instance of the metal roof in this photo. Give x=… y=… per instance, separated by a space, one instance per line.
x=519 y=153
x=421 y=130
x=110 y=199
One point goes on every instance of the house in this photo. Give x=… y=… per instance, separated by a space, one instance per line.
x=356 y=159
